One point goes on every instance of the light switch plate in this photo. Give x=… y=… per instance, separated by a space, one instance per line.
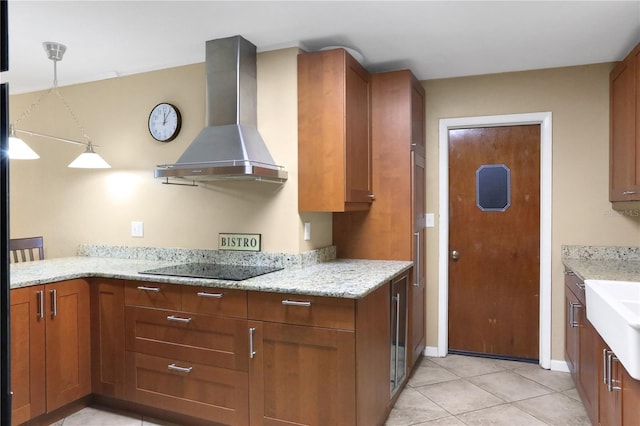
x=307 y=231
x=137 y=229
x=429 y=220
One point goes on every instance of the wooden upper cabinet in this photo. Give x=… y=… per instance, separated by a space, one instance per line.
x=624 y=149
x=334 y=133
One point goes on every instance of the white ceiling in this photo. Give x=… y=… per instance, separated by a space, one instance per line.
x=435 y=39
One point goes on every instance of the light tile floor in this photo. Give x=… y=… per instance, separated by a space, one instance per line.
x=451 y=391
x=462 y=390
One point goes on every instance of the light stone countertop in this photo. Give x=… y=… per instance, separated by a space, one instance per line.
x=603 y=262
x=345 y=278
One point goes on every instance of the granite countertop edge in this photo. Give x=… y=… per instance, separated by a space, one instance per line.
x=603 y=262
x=342 y=278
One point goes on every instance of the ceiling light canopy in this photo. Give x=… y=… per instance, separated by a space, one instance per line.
x=19 y=150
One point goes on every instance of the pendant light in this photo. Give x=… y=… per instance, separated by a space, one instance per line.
x=18 y=149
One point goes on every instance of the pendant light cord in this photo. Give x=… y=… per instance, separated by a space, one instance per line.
x=55 y=90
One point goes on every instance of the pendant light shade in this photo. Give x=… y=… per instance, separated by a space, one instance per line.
x=18 y=149
x=89 y=160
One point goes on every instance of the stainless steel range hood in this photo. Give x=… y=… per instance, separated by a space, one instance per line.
x=230 y=147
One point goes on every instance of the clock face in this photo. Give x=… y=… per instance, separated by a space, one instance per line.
x=164 y=122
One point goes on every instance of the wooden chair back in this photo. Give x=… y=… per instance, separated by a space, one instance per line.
x=24 y=249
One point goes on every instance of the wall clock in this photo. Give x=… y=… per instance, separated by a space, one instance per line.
x=164 y=122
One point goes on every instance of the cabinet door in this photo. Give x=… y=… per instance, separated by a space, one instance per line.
x=588 y=363
x=27 y=353
x=67 y=342
x=630 y=400
x=624 y=168
x=417 y=320
x=609 y=413
x=107 y=336
x=334 y=141
x=358 y=133
x=571 y=332
x=301 y=375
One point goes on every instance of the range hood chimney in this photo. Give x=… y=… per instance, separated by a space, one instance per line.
x=230 y=147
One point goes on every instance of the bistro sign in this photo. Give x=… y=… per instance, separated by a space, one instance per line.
x=239 y=242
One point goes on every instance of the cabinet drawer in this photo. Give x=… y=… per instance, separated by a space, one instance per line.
x=214 y=394
x=574 y=283
x=303 y=310
x=214 y=301
x=154 y=295
x=215 y=341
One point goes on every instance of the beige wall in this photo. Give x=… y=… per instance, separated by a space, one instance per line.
x=578 y=97
x=71 y=206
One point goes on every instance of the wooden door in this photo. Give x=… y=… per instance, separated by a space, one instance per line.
x=494 y=240
x=301 y=375
x=27 y=354
x=68 y=342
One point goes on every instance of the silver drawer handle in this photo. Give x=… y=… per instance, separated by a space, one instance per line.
x=213 y=295
x=178 y=319
x=180 y=369
x=296 y=303
x=581 y=286
x=629 y=192
x=145 y=288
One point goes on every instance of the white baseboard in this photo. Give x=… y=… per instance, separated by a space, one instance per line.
x=559 y=365
x=430 y=351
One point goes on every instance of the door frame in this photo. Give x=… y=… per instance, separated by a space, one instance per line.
x=544 y=119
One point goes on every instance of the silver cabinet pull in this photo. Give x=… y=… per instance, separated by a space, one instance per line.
x=629 y=192
x=180 y=369
x=40 y=298
x=54 y=303
x=572 y=316
x=416 y=236
x=455 y=255
x=605 y=379
x=580 y=285
x=252 y=352
x=610 y=385
x=178 y=319
x=212 y=295
x=145 y=288
x=296 y=303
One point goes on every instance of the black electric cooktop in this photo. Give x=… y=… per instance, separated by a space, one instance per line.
x=213 y=271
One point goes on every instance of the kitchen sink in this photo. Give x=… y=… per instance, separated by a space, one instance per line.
x=613 y=307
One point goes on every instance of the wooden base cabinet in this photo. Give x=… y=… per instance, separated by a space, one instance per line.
x=186 y=360
x=319 y=360
x=55 y=368
x=581 y=345
x=27 y=354
x=107 y=335
x=619 y=402
x=301 y=375
x=611 y=397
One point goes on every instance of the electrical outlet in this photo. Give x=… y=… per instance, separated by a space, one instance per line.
x=137 y=229
x=307 y=231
